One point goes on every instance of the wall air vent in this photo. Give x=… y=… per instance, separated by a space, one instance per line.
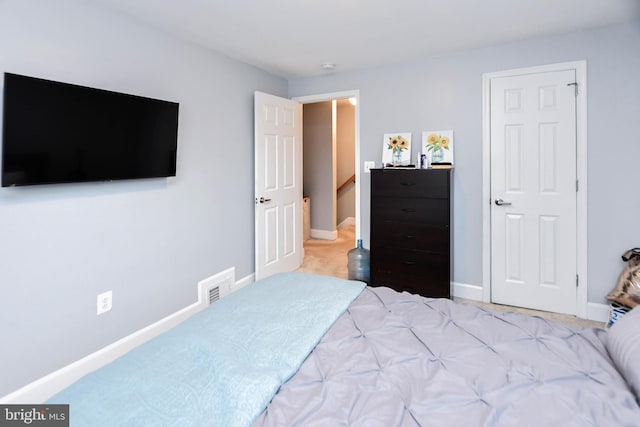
x=216 y=287
x=214 y=294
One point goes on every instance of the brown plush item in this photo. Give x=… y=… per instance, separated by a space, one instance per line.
x=627 y=290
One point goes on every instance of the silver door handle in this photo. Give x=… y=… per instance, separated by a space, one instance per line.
x=501 y=202
x=263 y=200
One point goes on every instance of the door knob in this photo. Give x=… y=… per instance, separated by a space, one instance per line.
x=263 y=200
x=501 y=202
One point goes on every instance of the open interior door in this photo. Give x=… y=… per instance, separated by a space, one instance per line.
x=278 y=184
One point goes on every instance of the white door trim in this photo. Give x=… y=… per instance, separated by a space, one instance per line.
x=341 y=95
x=580 y=68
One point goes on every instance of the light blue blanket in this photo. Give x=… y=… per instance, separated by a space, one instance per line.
x=222 y=366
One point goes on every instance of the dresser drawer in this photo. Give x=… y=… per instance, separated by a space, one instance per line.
x=411 y=210
x=402 y=235
x=392 y=259
x=428 y=286
x=419 y=272
x=432 y=183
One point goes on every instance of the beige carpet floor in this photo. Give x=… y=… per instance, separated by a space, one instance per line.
x=329 y=257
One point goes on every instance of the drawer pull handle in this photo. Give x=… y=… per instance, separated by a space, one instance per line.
x=409 y=262
x=408 y=184
x=408 y=210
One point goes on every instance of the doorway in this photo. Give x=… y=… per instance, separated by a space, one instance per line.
x=331 y=179
x=329 y=167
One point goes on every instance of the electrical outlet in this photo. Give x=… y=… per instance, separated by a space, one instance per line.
x=368 y=166
x=105 y=302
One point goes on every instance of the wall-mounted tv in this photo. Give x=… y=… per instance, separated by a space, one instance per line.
x=55 y=132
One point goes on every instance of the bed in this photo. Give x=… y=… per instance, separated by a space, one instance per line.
x=298 y=349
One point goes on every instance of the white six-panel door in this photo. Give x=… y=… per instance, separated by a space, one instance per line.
x=278 y=184
x=533 y=191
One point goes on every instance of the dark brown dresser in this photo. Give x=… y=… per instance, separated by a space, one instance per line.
x=411 y=230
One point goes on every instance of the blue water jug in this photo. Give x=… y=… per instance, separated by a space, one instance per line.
x=358 y=264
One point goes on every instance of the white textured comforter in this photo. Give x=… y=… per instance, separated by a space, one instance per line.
x=403 y=360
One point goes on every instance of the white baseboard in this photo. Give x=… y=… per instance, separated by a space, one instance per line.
x=595 y=311
x=47 y=386
x=247 y=280
x=44 y=388
x=598 y=312
x=466 y=291
x=324 y=234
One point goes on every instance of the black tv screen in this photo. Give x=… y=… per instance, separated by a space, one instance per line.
x=55 y=132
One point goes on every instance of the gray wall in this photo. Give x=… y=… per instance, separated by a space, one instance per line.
x=318 y=174
x=445 y=92
x=345 y=159
x=150 y=241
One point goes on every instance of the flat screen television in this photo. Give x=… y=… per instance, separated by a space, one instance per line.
x=55 y=132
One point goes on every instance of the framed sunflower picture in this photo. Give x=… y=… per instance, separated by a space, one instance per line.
x=396 y=149
x=438 y=146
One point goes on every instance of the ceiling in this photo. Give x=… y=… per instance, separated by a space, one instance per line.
x=293 y=38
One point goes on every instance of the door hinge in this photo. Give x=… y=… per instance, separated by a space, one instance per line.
x=575 y=85
x=577 y=185
x=577 y=281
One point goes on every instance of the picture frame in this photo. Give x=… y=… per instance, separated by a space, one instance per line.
x=396 y=149
x=438 y=146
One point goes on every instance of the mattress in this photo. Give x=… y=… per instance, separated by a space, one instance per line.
x=397 y=359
